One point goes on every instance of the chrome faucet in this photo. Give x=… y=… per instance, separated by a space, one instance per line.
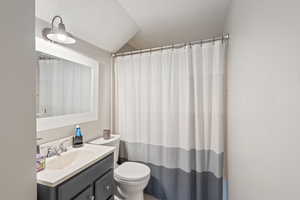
x=52 y=151
x=56 y=151
x=62 y=147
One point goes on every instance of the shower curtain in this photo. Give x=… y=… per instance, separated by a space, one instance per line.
x=170 y=113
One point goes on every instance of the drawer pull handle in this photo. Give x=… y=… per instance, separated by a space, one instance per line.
x=107 y=187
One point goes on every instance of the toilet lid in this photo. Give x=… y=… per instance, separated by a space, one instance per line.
x=132 y=171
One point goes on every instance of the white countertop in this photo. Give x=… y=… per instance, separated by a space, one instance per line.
x=75 y=160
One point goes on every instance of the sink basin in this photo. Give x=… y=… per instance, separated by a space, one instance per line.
x=60 y=168
x=67 y=159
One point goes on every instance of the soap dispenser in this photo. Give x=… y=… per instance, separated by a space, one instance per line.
x=78 y=138
x=40 y=162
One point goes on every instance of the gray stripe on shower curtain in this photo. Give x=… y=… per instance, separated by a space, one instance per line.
x=176 y=184
x=171 y=157
x=178 y=174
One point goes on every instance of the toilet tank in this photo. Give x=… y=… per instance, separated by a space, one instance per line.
x=113 y=141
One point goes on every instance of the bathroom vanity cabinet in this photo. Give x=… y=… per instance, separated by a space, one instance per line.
x=93 y=183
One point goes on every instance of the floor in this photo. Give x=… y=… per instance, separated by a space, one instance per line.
x=148 y=197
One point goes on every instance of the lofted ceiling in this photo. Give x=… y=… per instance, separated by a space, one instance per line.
x=164 y=22
x=110 y=24
x=104 y=23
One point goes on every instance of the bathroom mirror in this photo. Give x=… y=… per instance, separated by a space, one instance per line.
x=66 y=86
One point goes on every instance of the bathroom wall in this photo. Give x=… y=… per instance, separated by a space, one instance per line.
x=91 y=129
x=127 y=47
x=17 y=116
x=264 y=100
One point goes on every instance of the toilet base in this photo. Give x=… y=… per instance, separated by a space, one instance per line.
x=136 y=196
x=139 y=196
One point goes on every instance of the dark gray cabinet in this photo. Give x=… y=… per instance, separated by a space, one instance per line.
x=94 y=183
x=85 y=195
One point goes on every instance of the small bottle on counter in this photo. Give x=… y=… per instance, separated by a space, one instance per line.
x=40 y=163
x=78 y=138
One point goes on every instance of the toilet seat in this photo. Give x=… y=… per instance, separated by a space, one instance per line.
x=132 y=172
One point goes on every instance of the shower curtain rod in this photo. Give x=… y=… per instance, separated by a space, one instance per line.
x=224 y=36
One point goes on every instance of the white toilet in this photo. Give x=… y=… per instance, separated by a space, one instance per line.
x=131 y=177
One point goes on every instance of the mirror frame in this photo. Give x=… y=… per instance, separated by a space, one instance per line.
x=73 y=56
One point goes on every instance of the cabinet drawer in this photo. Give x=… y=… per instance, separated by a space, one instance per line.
x=104 y=187
x=87 y=194
x=79 y=182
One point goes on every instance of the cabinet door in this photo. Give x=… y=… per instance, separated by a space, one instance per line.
x=86 y=194
x=104 y=187
x=82 y=180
